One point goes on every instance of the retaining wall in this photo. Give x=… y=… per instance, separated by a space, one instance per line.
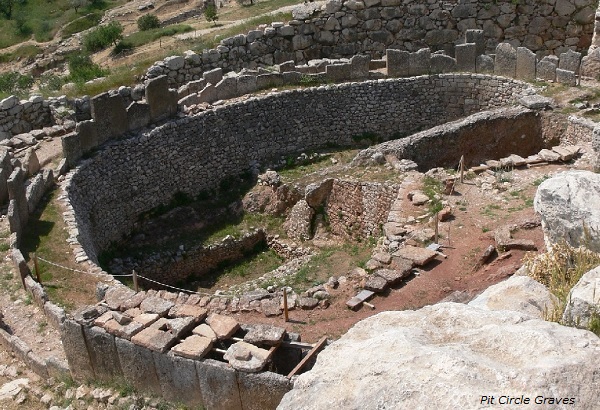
x=190 y=155
x=346 y=28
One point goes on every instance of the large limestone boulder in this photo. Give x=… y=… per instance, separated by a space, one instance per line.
x=584 y=299
x=447 y=356
x=519 y=293
x=568 y=205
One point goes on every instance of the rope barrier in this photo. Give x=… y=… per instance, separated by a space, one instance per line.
x=139 y=276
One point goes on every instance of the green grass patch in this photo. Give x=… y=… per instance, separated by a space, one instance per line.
x=82 y=23
x=24 y=52
x=433 y=188
x=147 y=36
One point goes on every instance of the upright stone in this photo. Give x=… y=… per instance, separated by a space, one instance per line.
x=338 y=72
x=526 y=64
x=110 y=116
x=137 y=364
x=419 y=62
x=138 y=115
x=506 y=60
x=219 y=386
x=359 y=67
x=466 y=57
x=477 y=37
x=263 y=390
x=213 y=76
x=441 y=63
x=103 y=353
x=178 y=379
x=162 y=101
x=397 y=63
x=17 y=191
x=246 y=84
x=546 y=68
x=566 y=77
x=73 y=343
x=484 y=64
x=227 y=88
x=71 y=147
x=570 y=61
x=88 y=136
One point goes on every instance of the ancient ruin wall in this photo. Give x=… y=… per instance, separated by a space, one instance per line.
x=346 y=28
x=126 y=178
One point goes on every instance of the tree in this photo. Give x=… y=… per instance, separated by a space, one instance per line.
x=103 y=36
x=148 y=22
x=7 y=6
x=76 y=4
x=210 y=13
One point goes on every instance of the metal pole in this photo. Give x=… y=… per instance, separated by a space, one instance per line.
x=285 y=305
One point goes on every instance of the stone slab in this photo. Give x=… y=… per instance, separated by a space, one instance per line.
x=260 y=334
x=419 y=256
x=246 y=357
x=76 y=351
x=466 y=56
x=219 y=386
x=103 y=353
x=154 y=339
x=357 y=300
x=397 y=63
x=205 y=331
x=223 y=326
x=193 y=347
x=259 y=391
x=376 y=284
x=391 y=276
x=156 y=305
x=178 y=379
x=505 y=63
x=197 y=312
x=137 y=364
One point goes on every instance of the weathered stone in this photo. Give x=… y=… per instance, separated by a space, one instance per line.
x=156 y=305
x=392 y=277
x=206 y=331
x=570 y=61
x=549 y=155
x=115 y=296
x=227 y=88
x=518 y=293
x=162 y=101
x=535 y=102
x=419 y=62
x=546 y=69
x=196 y=312
x=466 y=56
x=436 y=342
x=137 y=364
x=397 y=63
x=506 y=60
x=138 y=115
x=146 y=319
x=270 y=307
x=218 y=384
x=526 y=64
x=477 y=37
x=264 y=335
x=76 y=351
x=213 y=76
x=316 y=194
x=103 y=353
x=223 y=326
x=566 y=77
x=259 y=391
x=338 y=72
x=583 y=302
x=382 y=257
x=484 y=64
x=355 y=302
x=418 y=256
x=154 y=339
x=110 y=115
x=246 y=357
x=441 y=63
x=298 y=224
x=308 y=303
x=376 y=284
x=178 y=379
x=193 y=347
x=359 y=67
x=567 y=206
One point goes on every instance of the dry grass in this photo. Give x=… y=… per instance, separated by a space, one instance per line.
x=560 y=270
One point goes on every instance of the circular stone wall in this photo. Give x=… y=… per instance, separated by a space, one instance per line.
x=193 y=154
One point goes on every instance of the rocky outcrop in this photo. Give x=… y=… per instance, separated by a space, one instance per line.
x=584 y=300
x=449 y=356
x=519 y=293
x=568 y=205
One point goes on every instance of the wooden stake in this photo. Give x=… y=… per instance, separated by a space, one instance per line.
x=135 y=282
x=437 y=227
x=37 y=270
x=285 y=305
x=308 y=356
x=462 y=168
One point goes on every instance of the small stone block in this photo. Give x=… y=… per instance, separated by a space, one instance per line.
x=146 y=319
x=193 y=347
x=391 y=276
x=419 y=256
x=223 y=326
x=265 y=334
x=376 y=284
x=246 y=357
x=156 y=305
x=154 y=339
x=188 y=310
x=205 y=330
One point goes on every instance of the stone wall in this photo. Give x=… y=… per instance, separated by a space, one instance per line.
x=128 y=177
x=346 y=28
x=482 y=136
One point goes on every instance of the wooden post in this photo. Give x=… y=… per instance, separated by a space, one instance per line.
x=285 y=305
x=135 y=282
x=462 y=168
x=37 y=270
x=437 y=228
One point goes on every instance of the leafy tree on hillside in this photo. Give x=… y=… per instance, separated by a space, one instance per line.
x=210 y=13
x=103 y=36
x=7 y=7
x=148 y=22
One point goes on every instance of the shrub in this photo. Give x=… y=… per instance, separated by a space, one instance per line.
x=148 y=22
x=15 y=83
x=83 y=69
x=123 y=45
x=103 y=36
x=210 y=13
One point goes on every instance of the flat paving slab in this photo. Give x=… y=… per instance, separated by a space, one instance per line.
x=193 y=347
x=418 y=256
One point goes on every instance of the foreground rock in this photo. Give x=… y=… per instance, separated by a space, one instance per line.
x=584 y=300
x=448 y=356
x=568 y=205
x=519 y=293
